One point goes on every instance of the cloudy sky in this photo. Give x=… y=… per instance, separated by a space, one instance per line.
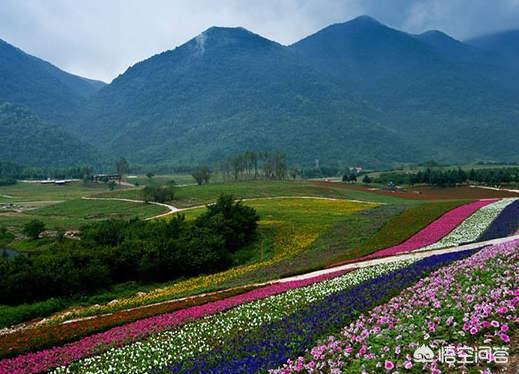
x=102 y=38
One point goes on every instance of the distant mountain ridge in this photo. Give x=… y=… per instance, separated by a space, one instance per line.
x=27 y=140
x=50 y=92
x=505 y=44
x=353 y=93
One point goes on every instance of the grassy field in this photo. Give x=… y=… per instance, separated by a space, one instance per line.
x=199 y=195
x=295 y=234
x=287 y=228
x=401 y=227
x=25 y=192
x=352 y=236
x=74 y=213
x=426 y=193
x=143 y=180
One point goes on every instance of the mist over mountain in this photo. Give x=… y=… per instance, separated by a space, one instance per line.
x=504 y=44
x=358 y=92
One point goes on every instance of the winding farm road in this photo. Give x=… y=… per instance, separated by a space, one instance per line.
x=171 y=208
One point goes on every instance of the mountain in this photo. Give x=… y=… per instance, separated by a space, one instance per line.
x=451 y=48
x=51 y=93
x=452 y=99
x=27 y=140
x=229 y=90
x=504 y=44
x=357 y=92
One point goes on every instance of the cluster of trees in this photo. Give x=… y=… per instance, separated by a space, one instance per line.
x=122 y=166
x=452 y=177
x=318 y=172
x=201 y=175
x=349 y=176
x=255 y=165
x=5 y=236
x=159 y=194
x=116 y=251
x=34 y=228
x=7 y=181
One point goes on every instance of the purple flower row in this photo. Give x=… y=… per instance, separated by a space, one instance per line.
x=507 y=223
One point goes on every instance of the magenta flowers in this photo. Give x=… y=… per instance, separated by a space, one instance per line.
x=434 y=232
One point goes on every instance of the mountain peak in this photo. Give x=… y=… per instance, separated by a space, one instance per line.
x=436 y=35
x=364 y=19
x=218 y=37
x=227 y=30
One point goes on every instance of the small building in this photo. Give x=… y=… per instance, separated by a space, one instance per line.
x=107 y=178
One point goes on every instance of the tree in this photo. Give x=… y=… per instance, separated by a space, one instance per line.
x=349 y=176
x=122 y=166
x=111 y=185
x=150 y=175
x=366 y=179
x=201 y=175
x=33 y=228
x=159 y=194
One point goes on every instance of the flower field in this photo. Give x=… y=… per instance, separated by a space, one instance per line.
x=253 y=320
x=434 y=232
x=55 y=334
x=473 y=227
x=206 y=334
x=279 y=340
x=249 y=329
x=50 y=358
x=473 y=301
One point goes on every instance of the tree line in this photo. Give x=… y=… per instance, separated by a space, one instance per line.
x=452 y=177
x=255 y=165
x=15 y=171
x=115 y=251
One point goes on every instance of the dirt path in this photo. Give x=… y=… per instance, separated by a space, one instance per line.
x=496 y=189
x=171 y=208
x=403 y=256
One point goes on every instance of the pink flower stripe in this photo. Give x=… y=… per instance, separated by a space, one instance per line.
x=433 y=232
x=60 y=356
